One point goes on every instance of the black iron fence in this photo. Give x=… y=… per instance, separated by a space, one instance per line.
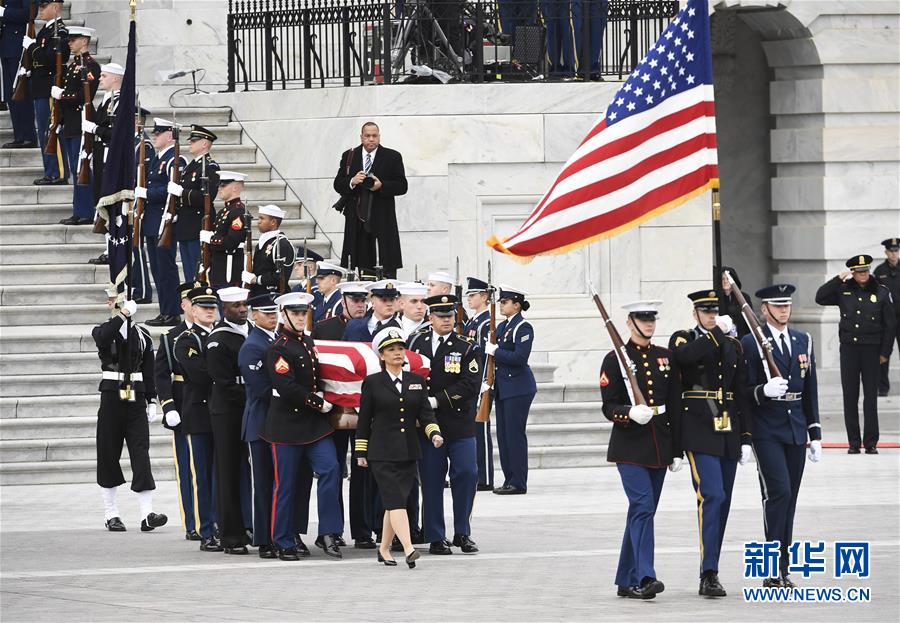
x=317 y=43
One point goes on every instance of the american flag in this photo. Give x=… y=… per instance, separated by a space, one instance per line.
x=344 y=365
x=653 y=149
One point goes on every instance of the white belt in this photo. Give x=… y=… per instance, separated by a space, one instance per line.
x=658 y=410
x=109 y=375
x=275 y=393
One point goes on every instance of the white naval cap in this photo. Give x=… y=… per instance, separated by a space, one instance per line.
x=112 y=68
x=231 y=176
x=80 y=31
x=270 y=209
x=353 y=288
x=386 y=337
x=323 y=269
x=646 y=309
x=295 y=300
x=413 y=288
x=233 y=294
x=441 y=277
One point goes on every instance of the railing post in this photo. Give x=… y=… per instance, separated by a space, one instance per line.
x=307 y=51
x=231 y=47
x=386 y=68
x=585 y=52
x=633 y=36
x=267 y=45
x=345 y=47
x=478 y=61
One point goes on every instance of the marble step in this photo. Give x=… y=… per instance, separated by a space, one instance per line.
x=41 y=363
x=71 y=472
x=84 y=449
x=229 y=156
x=53 y=274
x=229 y=134
x=24 y=175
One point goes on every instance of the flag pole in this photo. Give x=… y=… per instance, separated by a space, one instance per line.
x=717 y=238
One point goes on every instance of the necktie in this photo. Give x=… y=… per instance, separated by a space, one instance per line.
x=784 y=348
x=440 y=341
x=399 y=384
x=377 y=328
x=368 y=162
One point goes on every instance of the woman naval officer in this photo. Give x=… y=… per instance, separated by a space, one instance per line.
x=392 y=404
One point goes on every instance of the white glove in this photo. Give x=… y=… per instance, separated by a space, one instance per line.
x=167 y=216
x=27 y=41
x=88 y=126
x=326 y=406
x=815 y=451
x=640 y=414
x=676 y=464
x=174 y=189
x=2 y=10
x=172 y=418
x=140 y=192
x=745 y=454
x=23 y=72
x=725 y=323
x=490 y=348
x=129 y=308
x=152 y=414
x=433 y=402
x=247 y=276
x=56 y=92
x=484 y=387
x=776 y=387
x=205 y=236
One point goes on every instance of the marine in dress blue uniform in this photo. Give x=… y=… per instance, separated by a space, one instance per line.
x=452 y=390
x=785 y=413
x=514 y=389
x=477 y=328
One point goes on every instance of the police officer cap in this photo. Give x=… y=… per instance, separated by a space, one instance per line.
x=859 y=263
x=203 y=296
x=199 y=132
x=643 y=310
x=778 y=294
x=263 y=303
x=414 y=289
x=442 y=304
x=386 y=288
x=473 y=284
x=226 y=177
x=271 y=210
x=441 y=277
x=295 y=301
x=386 y=337
x=311 y=255
x=324 y=269
x=233 y=294
x=81 y=31
x=891 y=244
x=353 y=289
x=706 y=300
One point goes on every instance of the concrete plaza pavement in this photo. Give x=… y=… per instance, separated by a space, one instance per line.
x=546 y=556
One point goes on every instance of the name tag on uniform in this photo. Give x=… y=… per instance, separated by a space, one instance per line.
x=415 y=386
x=453 y=363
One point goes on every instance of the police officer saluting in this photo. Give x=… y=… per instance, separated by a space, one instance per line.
x=274 y=257
x=866 y=330
x=785 y=412
x=888 y=274
x=227 y=238
x=452 y=388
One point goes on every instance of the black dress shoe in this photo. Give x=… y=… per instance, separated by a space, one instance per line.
x=236 y=551
x=339 y=540
x=57 y=181
x=144 y=301
x=164 y=321
x=852 y=450
x=636 y=592
x=710 y=586
x=396 y=546
x=786 y=580
x=463 y=542
x=652 y=586
x=49 y=181
x=153 y=520
x=210 y=545
x=20 y=145
x=102 y=259
x=326 y=542
x=871 y=450
x=289 y=554
x=440 y=548
x=365 y=543
x=388 y=562
x=302 y=550
x=412 y=558
x=485 y=487
x=115 y=525
x=417 y=537
x=267 y=551
x=622 y=591
x=72 y=220
x=508 y=490
x=191 y=535
x=772 y=583
x=84 y=221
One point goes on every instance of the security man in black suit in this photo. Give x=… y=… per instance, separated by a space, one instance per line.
x=888 y=274
x=715 y=424
x=452 y=389
x=866 y=330
x=477 y=328
x=200 y=176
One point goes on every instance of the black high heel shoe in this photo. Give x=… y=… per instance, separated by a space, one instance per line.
x=387 y=563
x=412 y=558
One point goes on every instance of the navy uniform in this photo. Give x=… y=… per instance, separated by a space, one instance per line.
x=715 y=427
x=327 y=306
x=866 y=331
x=888 y=275
x=365 y=328
x=453 y=390
x=513 y=392
x=127 y=395
x=229 y=235
x=13 y=24
x=298 y=428
x=104 y=120
x=273 y=259
x=199 y=178
x=477 y=329
x=169 y=389
x=785 y=414
x=52 y=36
x=305 y=256
x=645 y=439
x=190 y=353
x=141 y=287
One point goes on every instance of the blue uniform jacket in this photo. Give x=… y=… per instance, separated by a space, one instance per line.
x=12 y=27
x=787 y=422
x=158 y=176
x=252 y=363
x=357 y=330
x=512 y=376
x=326 y=308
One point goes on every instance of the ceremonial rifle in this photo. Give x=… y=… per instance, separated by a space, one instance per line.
x=207 y=216
x=248 y=246
x=459 y=306
x=168 y=225
x=309 y=310
x=52 y=140
x=142 y=181
x=483 y=413
x=20 y=83
x=755 y=328
x=625 y=362
x=87 y=138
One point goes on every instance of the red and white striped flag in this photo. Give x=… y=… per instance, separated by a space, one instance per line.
x=344 y=365
x=653 y=149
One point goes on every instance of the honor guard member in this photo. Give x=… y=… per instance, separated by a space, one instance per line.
x=715 y=424
x=452 y=390
x=82 y=68
x=354 y=296
x=141 y=288
x=477 y=328
x=14 y=17
x=785 y=413
x=306 y=264
x=514 y=389
x=274 y=256
x=127 y=407
x=644 y=441
x=50 y=38
x=190 y=353
x=226 y=411
x=169 y=388
x=888 y=274
x=327 y=298
x=298 y=429
x=229 y=233
x=200 y=176
x=866 y=330
x=412 y=307
x=383 y=296
x=439 y=283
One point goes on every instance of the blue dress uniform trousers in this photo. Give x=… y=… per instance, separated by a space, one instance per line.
x=262 y=486
x=517 y=13
x=463 y=480
x=182 y=453
x=713 y=480
x=190 y=258
x=596 y=14
x=560 y=43
x=202 y=469
x=512 y=417
x=54 y=166
x=484 y=450
x=165 y=276
x=643 y=486
x=82 y=196
x=287 y=460
x=780 y=469
x=21 y=113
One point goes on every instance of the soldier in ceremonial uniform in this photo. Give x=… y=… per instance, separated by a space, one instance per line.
x=142 y=289
x=644 y=441
x=200 y=176
x=452 y=390
x=327 y=297
x=127 y=406
x=715 y=423
x=229 y=233
x=514 y=389
x=384 y=295
x=298 y=429
x=307 y=263
x=81 y=68
x=785 y=413
x=169 y=388
x=867 y=329
x=477 y=328
x=274 y=256
x=439 y=283
x=412 y=307
x=14 y=18
x=190 y=353
x=888 y=274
